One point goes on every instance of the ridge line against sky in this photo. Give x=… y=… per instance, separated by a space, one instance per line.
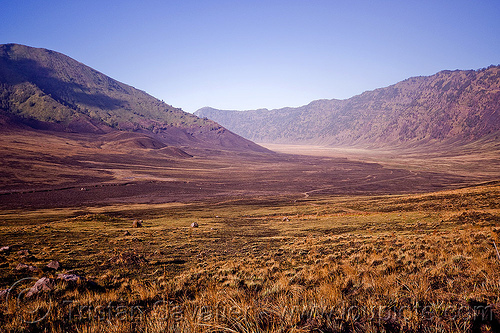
x=260 y=54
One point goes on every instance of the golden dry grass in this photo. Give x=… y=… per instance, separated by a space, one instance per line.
x=335 y=264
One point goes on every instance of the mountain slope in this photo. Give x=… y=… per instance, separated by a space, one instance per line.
x=48 y=90
x=458 y=107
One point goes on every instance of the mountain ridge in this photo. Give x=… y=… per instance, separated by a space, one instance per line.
x=48 y=90
x=448 y=107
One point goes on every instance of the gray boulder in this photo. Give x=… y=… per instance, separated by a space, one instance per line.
x=42 y=285
x=24 y=267
x=54 y=264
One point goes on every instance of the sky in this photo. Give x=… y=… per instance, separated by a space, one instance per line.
x=240 y=55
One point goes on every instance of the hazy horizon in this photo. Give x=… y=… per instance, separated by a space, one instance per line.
x=238 y=55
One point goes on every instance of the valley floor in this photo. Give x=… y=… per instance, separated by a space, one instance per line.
x=468 y=161
x=53 y=170
x=321 y=240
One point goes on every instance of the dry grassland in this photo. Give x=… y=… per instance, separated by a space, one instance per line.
x=414 y=263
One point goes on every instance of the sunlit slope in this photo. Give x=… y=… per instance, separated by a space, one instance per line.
x=48 y=90
x=450 y=107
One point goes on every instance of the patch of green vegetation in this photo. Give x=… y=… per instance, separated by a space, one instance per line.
x=51 y=87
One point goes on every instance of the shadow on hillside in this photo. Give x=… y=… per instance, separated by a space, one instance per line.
x=65 y=92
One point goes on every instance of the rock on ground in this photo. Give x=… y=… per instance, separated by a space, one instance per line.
x=43 y=284
x=23 y=252
x=54 y=264
x=3 y=294
x=73 y=278
x=24 y=267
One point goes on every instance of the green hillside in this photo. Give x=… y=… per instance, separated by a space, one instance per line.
x=48 y=90
x=49 y=86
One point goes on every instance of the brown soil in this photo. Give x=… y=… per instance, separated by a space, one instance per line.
x=48 y=170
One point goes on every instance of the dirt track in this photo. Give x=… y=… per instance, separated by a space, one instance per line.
x=49 y=171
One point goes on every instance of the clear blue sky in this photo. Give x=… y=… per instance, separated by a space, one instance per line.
x=259 y=54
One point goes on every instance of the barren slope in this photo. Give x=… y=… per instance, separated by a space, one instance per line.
x=448 y=108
